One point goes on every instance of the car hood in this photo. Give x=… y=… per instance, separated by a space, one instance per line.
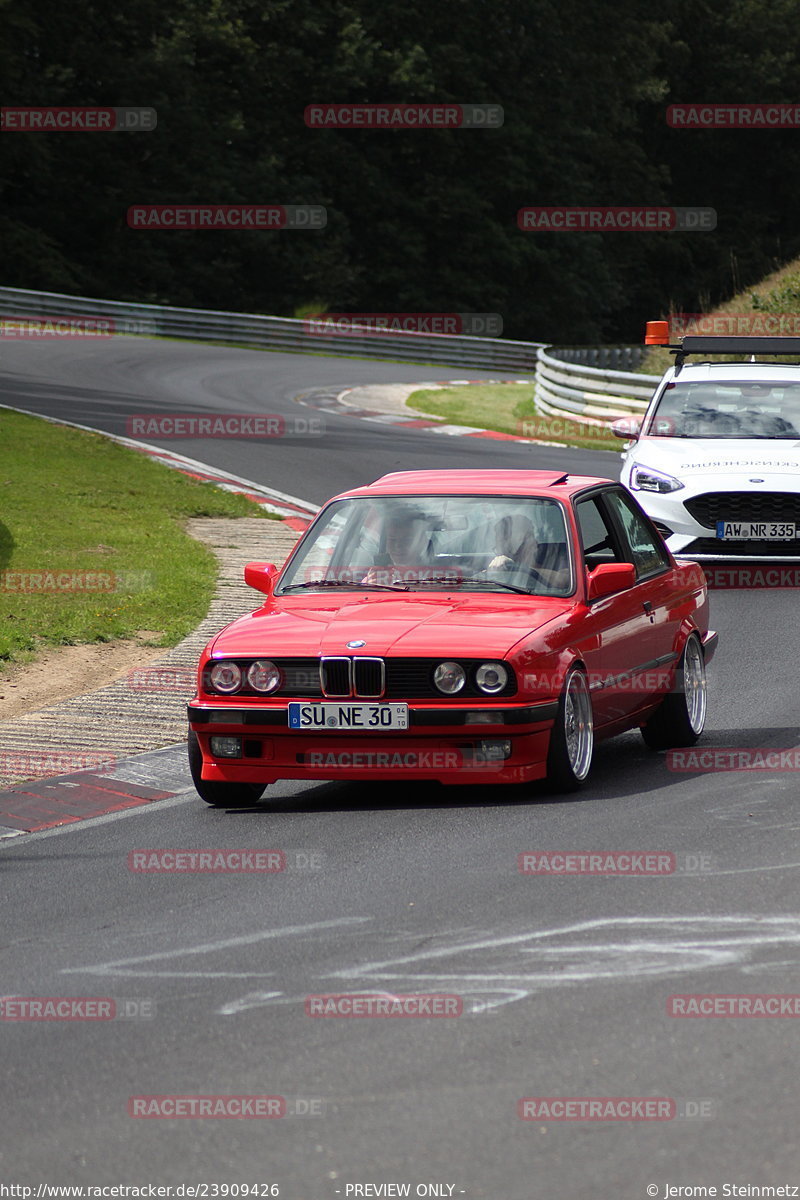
x=747 y=457
x=412 y=626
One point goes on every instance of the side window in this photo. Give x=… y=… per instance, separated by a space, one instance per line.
x=599 y=544
x=647 y=551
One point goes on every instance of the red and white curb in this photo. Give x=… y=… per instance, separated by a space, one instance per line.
x=51 y=802
x=296 y=513
x=326 y=400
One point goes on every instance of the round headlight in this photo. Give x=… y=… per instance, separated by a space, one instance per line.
x=264 y=676
x=225 y=677
x=491 y=677
x=449 y=678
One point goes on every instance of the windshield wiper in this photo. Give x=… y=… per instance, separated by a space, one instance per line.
x=322 y=583
x=454 y=581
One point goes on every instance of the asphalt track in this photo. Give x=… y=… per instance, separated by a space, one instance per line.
x=564 y=980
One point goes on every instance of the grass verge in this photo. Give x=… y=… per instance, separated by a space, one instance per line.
x=100 y=526
x=508 y=408
x=776 y=295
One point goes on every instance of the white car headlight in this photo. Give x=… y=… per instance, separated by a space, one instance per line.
x=449 y=677
x=491 y=677
x=226 y=677
x=263 y=676
x=645 y=479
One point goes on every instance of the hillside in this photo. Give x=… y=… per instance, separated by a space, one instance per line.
x=777 y=296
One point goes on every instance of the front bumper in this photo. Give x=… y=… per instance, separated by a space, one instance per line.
x=441 y=745
x=689 y=538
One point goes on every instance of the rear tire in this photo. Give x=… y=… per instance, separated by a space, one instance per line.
x=569 y=758
x=680 y=718
x=219 y=795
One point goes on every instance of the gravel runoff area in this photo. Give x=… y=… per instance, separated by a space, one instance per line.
x=145 y=709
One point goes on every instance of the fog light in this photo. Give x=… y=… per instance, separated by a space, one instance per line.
x=226 y=747
x=494 y=749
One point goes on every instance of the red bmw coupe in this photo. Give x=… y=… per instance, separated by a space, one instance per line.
x=461 y=626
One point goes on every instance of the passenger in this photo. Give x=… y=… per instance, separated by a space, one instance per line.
x=519 y=549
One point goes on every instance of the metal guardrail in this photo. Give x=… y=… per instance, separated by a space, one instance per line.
x=275 y=333
x=565 y=382
x=617 y=358
x=589 y=394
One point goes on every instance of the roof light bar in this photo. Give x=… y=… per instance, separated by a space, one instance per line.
x=657 y=334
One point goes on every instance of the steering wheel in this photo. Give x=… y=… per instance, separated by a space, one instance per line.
x=533 y=573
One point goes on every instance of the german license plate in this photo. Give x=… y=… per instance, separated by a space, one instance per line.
x=362 y=717
x=762 y=531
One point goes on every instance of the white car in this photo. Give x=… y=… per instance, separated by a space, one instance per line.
x=715 y=461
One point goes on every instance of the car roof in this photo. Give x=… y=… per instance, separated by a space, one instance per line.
x=769 y=372
x=556 y=484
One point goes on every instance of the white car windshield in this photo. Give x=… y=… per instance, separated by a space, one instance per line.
x=425 y=543
x=728 y=409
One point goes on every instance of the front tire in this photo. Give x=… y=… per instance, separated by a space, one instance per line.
x=219 y=795
x=569 y=758
x=680 y=718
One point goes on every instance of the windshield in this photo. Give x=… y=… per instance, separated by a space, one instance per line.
x=425 y=543
x=730 y=409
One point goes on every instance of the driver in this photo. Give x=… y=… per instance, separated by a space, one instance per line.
x=519 y=549
x=406 y=541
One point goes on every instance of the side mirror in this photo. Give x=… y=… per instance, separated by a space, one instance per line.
x=261 y=576
x=609 y=578
x=627 y=427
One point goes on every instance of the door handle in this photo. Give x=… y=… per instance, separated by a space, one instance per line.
x=648 y=608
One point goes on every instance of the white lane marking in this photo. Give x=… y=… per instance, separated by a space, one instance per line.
x=271 y=999
x=248 y=939
x=688 y=943
x=251 y=1000
x=701 y=942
